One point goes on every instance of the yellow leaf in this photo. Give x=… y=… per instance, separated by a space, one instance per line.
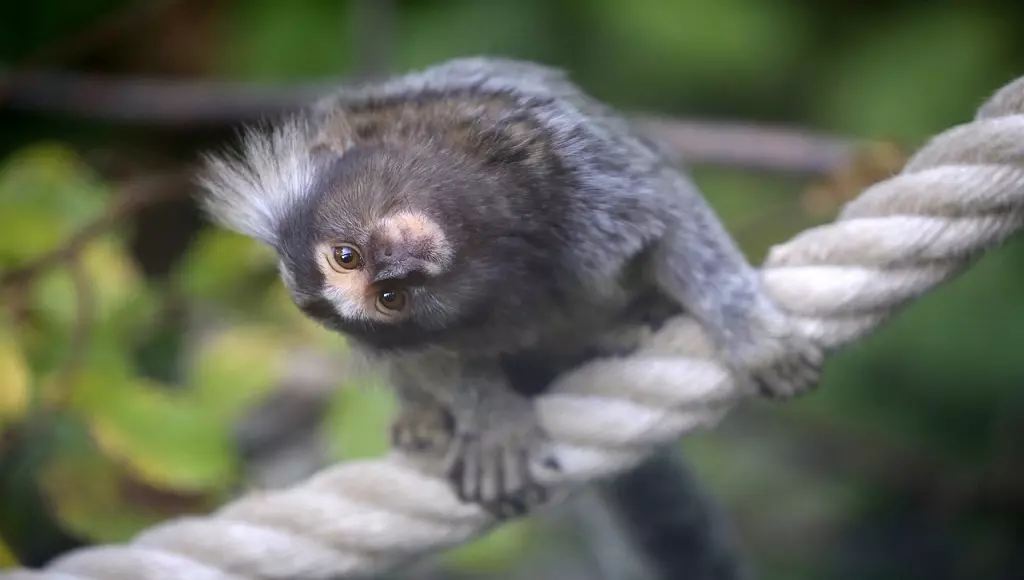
x=47 y=194
x=236 y=368
x=7 y=559
x=91 y=497
x=166 y=438
x=494 y=552
x=222 y=265
x=112 y=274
x=110 y=285
x=14 y=379
x=356 y=425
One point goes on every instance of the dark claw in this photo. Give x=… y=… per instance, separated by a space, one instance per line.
x=764 y=388
x=498 y=478
x=551 y=462
x=507 y=509
x=421 y=430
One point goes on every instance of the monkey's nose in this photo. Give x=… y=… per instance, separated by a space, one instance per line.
x=407 y=270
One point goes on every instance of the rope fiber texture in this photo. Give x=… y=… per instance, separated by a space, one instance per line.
x=960 y=195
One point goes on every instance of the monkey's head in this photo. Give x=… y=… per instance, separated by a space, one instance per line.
x=385 y=242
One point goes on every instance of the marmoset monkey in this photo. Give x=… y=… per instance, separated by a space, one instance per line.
x=461 y=219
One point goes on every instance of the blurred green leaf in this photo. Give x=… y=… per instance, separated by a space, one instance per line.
x=221 y=266
x=236 y=368
x=434 y=31
x=82 y=489
x=96 y=498
x=15 y=380
x=269 y=39
x=111 y=287
x=496 y=551
x=356 y=425
x=166 y=438
x=653 y=51
x=47 y=194
x=95 y=311
x=909 y=77
x=7 y=559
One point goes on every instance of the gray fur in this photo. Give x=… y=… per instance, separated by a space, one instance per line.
x=568 y=227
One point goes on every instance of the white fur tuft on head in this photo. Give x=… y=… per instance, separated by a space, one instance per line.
x=251 y=189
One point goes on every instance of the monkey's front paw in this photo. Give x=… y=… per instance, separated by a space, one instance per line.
x=786 y=368
x=491 y=467
x=422 y=429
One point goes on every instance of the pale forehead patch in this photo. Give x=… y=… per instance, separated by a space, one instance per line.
x=411 y=225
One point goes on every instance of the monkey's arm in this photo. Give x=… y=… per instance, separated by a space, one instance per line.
x=498 y=438
x=697 y=263
x=423 y=426
x=486 y=432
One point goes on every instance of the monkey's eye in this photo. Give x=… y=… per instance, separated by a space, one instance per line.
x=392 y=300
x=345 y=257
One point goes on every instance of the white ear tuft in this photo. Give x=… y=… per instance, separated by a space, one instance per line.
x=251 y=190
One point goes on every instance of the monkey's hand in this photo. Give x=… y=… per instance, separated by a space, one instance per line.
x=423 y=426
x=497 y=439
x=778 y=360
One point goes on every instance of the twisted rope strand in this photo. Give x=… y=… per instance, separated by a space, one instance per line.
x=960 y=195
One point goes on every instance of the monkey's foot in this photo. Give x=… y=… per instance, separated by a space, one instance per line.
x=784 y=368
x=422 y=429
x=489 y=464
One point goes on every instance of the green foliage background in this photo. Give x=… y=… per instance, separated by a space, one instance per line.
x=116 y=413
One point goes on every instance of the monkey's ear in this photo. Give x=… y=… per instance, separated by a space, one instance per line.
x=251 y=189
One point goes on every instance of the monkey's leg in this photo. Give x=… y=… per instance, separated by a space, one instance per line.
x=697 y=264
x=423 y=425
x=497 y=439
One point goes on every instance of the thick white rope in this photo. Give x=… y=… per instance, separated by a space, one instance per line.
x=958 y=196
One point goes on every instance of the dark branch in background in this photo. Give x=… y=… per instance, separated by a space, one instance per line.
x=164 y=103
x=748 y=146
x=151 y=102
x=674 y=523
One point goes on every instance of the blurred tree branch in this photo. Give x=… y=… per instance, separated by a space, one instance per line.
x=165 y=103
x=133 y=196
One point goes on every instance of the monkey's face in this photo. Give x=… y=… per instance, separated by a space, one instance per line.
x=398 y=246
x=369 y=251
x=378 y=280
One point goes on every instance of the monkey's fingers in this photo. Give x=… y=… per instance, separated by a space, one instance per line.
x=515 y=471
x=453 y=464
x=505 y=473
x=495 y=476
x=789 y=377
x=472 y=468
x=794 y=368
x=422 y=430
x=520 y=491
